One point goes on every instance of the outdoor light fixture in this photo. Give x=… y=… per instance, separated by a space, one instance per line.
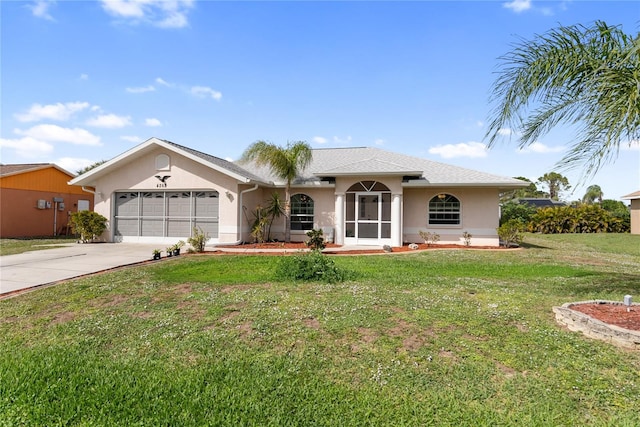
x=627 y=300
x=441 y=196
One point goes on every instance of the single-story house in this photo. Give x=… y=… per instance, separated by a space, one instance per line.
x=159 y=191
x=35 y=200
x=635 y=211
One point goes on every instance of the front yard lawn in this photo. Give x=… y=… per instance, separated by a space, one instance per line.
x=447 y=337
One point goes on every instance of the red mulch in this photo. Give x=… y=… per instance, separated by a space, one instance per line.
x=395 y=249
x=612 y=314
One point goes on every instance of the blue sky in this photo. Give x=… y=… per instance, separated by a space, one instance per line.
x=83 y=81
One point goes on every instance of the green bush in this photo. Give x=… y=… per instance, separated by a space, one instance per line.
x=513 y=210
x=310 y=266
x=316 y=240
x=198 y=239
x=88 y=224
x=581 y=219
x=511 y=233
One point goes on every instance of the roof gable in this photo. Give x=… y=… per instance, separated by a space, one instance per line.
x=216 y=163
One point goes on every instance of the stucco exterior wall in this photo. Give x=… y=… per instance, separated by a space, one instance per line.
x=20 y=216
x=185 y=174
x=479 y=211
x=635 y=216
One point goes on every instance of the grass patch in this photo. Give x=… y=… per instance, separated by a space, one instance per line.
x=18 y=246
x=432 y=338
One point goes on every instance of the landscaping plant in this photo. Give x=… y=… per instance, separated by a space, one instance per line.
x=88 y=224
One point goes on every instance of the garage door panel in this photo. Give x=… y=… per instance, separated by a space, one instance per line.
x=166 y=214
x=127 y=227
x=178 y=227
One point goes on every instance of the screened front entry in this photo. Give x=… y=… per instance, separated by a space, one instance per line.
x=368 y=213
x=165 y=213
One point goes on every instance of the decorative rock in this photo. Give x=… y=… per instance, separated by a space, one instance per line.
x=387 y=248
x=413 y=246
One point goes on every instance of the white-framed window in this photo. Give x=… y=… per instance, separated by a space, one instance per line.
x=444 y=209
x=163 y=162
x=301 y=212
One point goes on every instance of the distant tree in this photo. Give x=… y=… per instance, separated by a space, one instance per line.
x=555 y=182
x=284 y=162
x=521 y=193
x=92 y=166
x=593 y=193
x=578 y=75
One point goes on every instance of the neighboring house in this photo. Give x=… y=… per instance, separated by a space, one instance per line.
x=540 y=202
x=635 y=211
x=35 y=200
x=159 y=191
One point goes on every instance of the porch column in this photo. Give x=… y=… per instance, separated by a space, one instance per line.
x=396 y=220
x=338 y=227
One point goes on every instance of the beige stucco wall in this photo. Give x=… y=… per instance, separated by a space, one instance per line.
x=635 y=216
x=480 y=215
x=186 y=174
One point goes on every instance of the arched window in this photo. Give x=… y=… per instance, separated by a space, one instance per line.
x=444 y=209
x=163 y=162
x=301 y=212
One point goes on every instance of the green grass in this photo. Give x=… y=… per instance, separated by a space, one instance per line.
x=18 y=246
x=434 y=338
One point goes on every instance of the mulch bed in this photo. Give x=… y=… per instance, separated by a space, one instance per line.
x=612 y=314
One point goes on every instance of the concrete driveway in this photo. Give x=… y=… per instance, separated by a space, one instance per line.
x=23 y=271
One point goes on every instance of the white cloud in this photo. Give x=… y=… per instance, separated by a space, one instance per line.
x=163 y=82
x=464 y=149
x=27 y=147
x=131 y=138
x=379 y=141
x=504 y=132
x=110 y=121
x=84 y=76
x=73 y=164
x=152 y=122
x=338 y=140
x=518 y=5
x=319 y=140
x=205 y=92
x=540 y=148
x=159 y=13
x=55 y=133
x=40 y=9
x=141 y=89
x=57 y=111
x=479 y=123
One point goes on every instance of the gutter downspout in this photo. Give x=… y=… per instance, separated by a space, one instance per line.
x=88 y=191
x=239 y=216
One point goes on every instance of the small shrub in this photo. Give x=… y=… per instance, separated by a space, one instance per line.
x=466 y=236
x=198 y=239
x=429 y=238
x=511 y=233
x=310 y=266
x=88 y=224
x=316 y=240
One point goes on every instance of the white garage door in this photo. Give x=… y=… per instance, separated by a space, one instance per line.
x=166 y=213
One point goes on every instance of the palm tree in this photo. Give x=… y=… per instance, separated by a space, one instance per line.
x=594 y=192
x=284 y=162
x=556 y=183
x=577 y=75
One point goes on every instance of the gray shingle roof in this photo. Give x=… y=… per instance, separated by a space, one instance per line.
x=374 y=161
x=225 y=164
